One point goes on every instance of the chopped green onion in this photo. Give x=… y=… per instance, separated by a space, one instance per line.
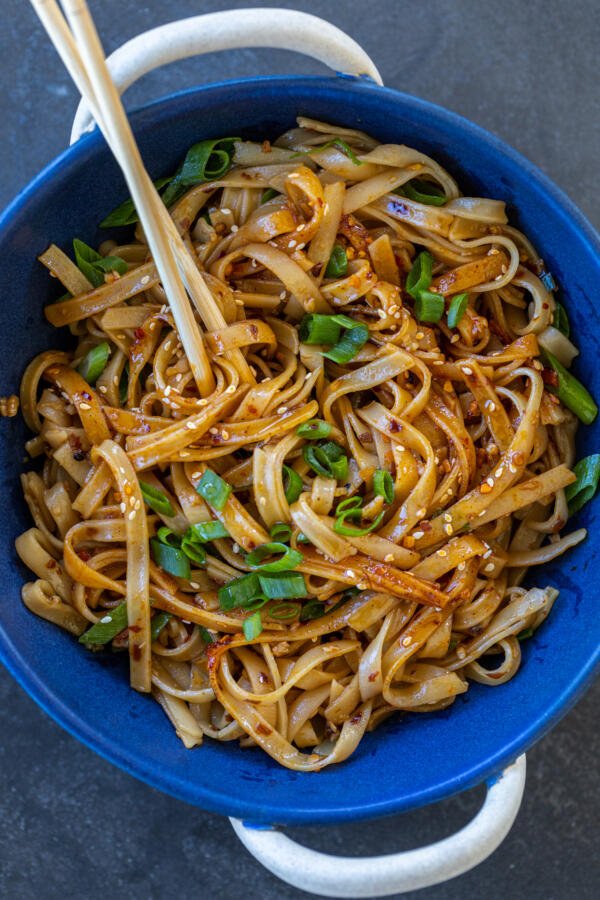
x=327 y=459
x=205 y=635
x=203 y=532
x=314 y=429
x=213 y=489
x=314 y=609
x=457 y=309
x=126 y=213
x=429 y=307
x=93 y=265
x=124 y=383
x=319 y=329
x=350 y=343
x=112 y=623
x=94 y=362
x=283 y=585
x=292 y=484
x=352 y=506
x=284 y=611
x=302 y=539
x=167 y=536
x=344 y=148
x=252 y=626
x=205 y=161
x=281 y=531
x=268 y=195
x=383 y=485
x=156 y=500
x=171 y=559
x=157 y=623
x=525 y=634
x=288 y=559
x=340 y=526
x=240 y=592
x=572 y=393
x=587 y=472
x=193 y=550
x=424 y=192
x=560 y=319
x=419 y=277
x=337 y=267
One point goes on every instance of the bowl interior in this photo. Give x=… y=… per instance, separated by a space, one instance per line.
x=410 y=760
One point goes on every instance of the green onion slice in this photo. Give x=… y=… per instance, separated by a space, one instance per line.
x=206 y=635
x=581 y=491
x=112 y=623
x=352 y=506
x=560 y=319
x=292 y=484
x=314 y=609
x=337 y=267
x=281 y=531
x=156 y=500
x=268 y=195
x=350 y=343
x=283 y=585
x=193 y=550
x=457 y=309
x=429 y=307
x=126 y=213
x=525 y=634
x=288 y=558
x=328 y=460
x=341 y=527
x=284 y=611
x=167 y=536
x=252 y=626
x=314 y=429
x=204 y=161
x=94 y=362
x=93 y=265
x=419 y=277
x=203 y=532
x=383 y=485
x=343 y=147
x=213 y=489
x=319 y=329
x=240 y=592
x=572 y=393
x=171 y=559
x=424 y=192
x=157 y=623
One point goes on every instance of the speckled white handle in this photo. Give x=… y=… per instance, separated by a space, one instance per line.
x=283 y=29
x=396 y=873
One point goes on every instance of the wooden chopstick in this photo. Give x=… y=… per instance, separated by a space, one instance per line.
x=82 y=54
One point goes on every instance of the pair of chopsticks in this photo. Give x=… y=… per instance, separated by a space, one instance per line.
x=76 y=40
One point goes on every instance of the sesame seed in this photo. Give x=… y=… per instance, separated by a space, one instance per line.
x=235 y=548
x=84 y=406
x=512 y=469
x=461 y=566
x=498 y=472
x=361 y=586
x=194 y=585
x=281 y=410
x=482 y=513
x=263 y=501
x=145 y=279
x=123 y=507
x=301 y=246
x=442 y=553
x=102 y=388
x=190 y=425
x=407 y=641
x=489 y=568
x=105 y=620
x=230 y=389
x=421 y=512
x=239 y=302
x=225 y=435
x=419 y=335
x=167 y=390
x=455 y=339
x=253 y=263
x=132 y=500
x=438 y=362
x=202 y=402
x=467 y=370
x=137 y=504
x=393 y=308
x=301 y=227
x=131 y=515
x=449 y=530
x=213 y=430
x=168 y=345
x=490 y=481
x=418 y=535
x=382 y=313
x=389 y=557
x=461 y=652
x=282 y=295
x=447 y=517
x=183 y=453
x=234 y=228
x=291 y=244
x=487 y=553
x=226 y=210
x=349 y=573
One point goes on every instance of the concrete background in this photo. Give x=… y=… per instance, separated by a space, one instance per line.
x=71 y=825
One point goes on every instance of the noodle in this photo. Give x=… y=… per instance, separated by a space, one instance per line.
x=339 y=527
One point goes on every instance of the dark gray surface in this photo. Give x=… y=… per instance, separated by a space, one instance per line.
x=71 y=826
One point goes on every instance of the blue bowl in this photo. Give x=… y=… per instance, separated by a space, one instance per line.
x=411 y=760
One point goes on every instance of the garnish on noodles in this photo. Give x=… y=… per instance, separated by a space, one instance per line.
x=338 y=526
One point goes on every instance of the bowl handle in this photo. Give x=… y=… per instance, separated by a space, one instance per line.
x=381 y=876
x=283 y=29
